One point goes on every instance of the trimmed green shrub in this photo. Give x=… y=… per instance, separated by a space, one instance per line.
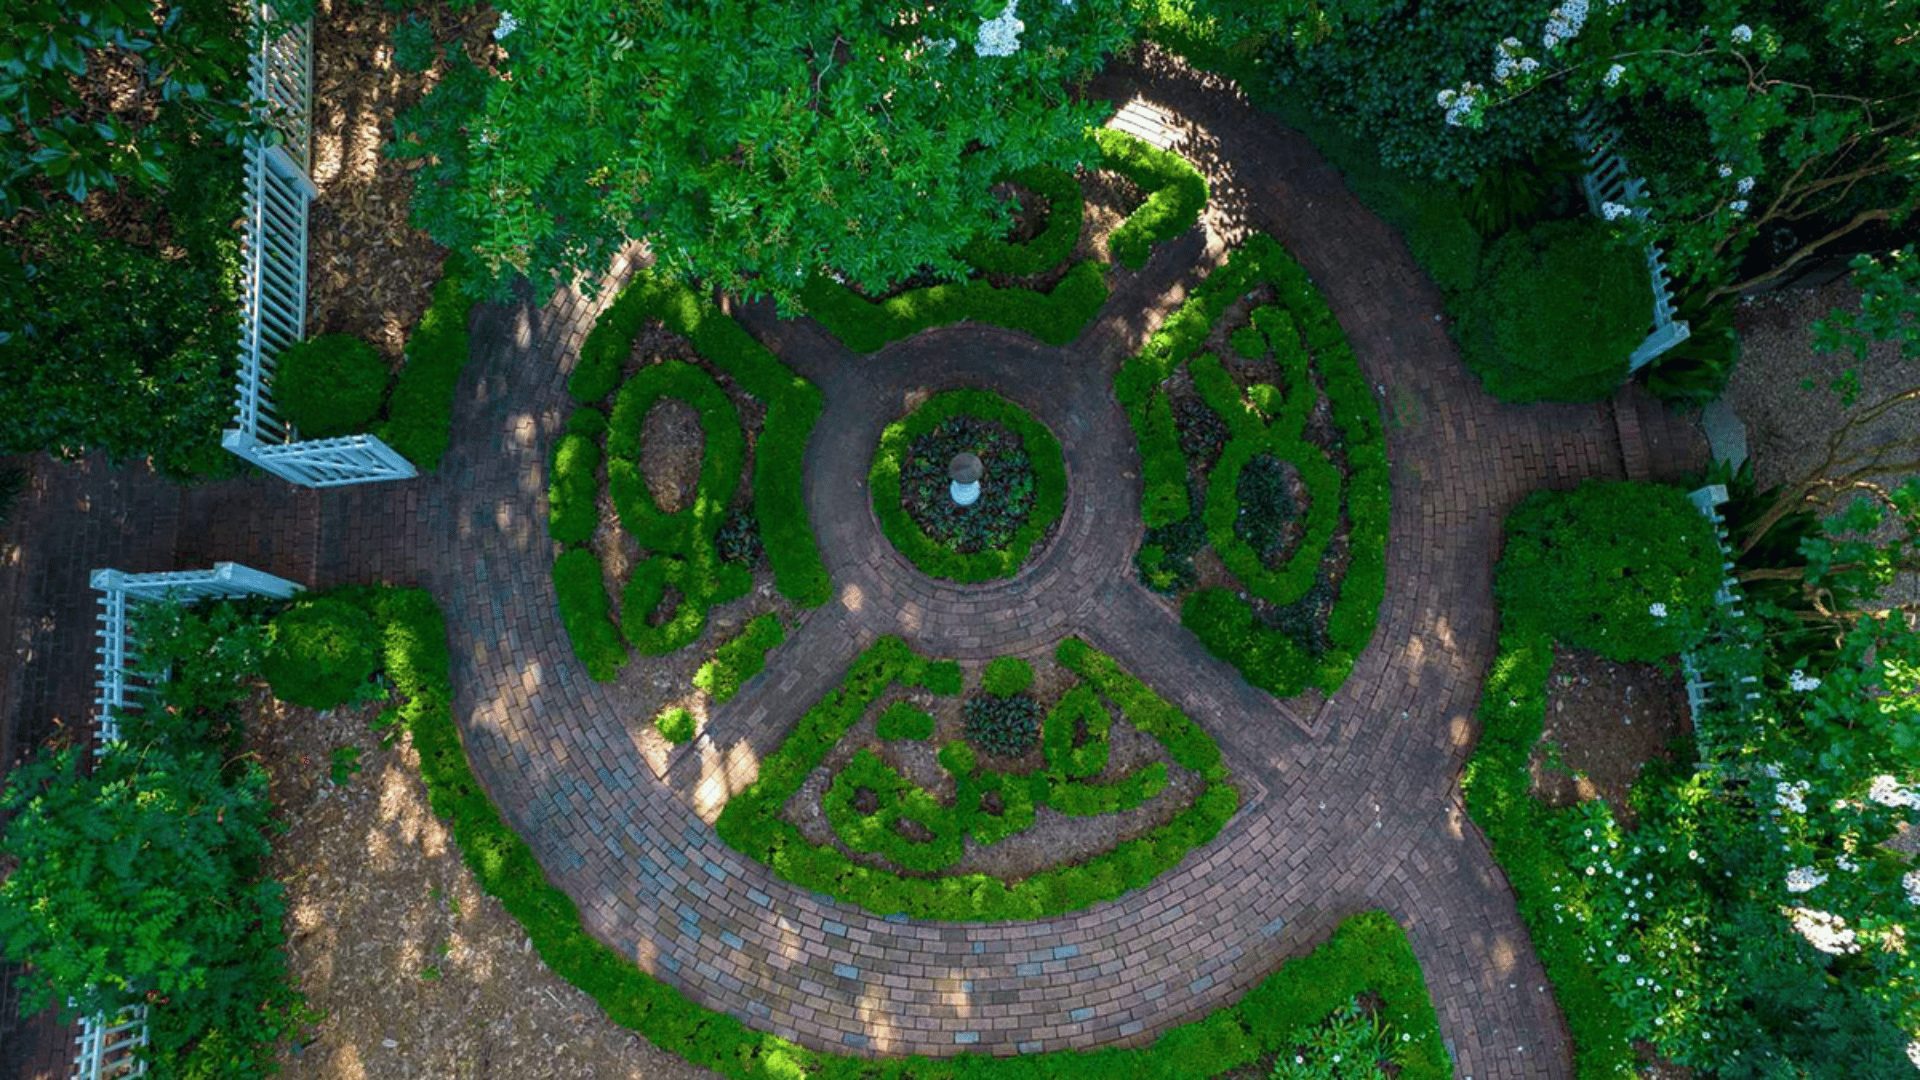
x=793 y=404
x=322 y=653
x=1054 y=317
x=1006 y=726
x=741 y=658
x=1368 y=953
x=1622 y=569
x=1079 y=707
x=573 y=495
x=587 y=615
x=1065 y=211
x=1007 y=675
x=419 y=423
x=1556 y=313
x=675 y=725
x=329 y=386
x=752 y=821
x=1265 y=420
x=1050 y=486
x=689 y=532
x=903 y=720
x=1176 y=193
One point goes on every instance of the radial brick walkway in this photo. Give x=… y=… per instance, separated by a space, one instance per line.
x=1348 y=803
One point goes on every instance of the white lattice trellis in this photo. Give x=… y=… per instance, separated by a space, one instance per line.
x=1708 y=500
x=109 y=1050
x=1607 y=181
x=274 y=282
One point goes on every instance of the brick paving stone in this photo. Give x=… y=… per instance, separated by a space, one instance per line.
x=1349 y=803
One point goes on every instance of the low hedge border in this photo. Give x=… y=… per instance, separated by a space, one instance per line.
x=419 y=423
x=1176 y=193
x=752 y=824
x=1368 y=952
x=1055 y=317
x=741 y=658
x=1049 y=482
x=690 y=531
x=793 y=404
x=1066 y=210
x=1223 y=620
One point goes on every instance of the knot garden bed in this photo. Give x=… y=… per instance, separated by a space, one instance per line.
x=1230 y=449
x=703 y=553
x=873 y=809
x=1021 y=497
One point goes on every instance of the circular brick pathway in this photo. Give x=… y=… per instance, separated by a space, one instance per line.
x=1348 y=804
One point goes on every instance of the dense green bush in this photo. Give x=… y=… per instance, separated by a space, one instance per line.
x=753 y=824
x=140 y=879
x=1163 y=467
x=1042 y=450
x=1055 y=317
x=1299 y=333
x=1176 y=193
x=419 y=422
x=793 y=404
x=1007 y=675
x=903 y=720
x=1557 y=312
x=675 y=725
x=321 y=655
x=1626 y=570
x=329 y=386
x=587 y=615
x=1066 y=210
x=1368 y=953
x=573 y=494
x=1003 y=725
x=741 y=658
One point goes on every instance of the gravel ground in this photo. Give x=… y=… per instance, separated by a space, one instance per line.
x=1787 y=426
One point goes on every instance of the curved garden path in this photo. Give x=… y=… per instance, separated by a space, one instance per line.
x=1348 y=804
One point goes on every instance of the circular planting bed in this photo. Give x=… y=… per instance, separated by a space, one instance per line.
x=1022 y=492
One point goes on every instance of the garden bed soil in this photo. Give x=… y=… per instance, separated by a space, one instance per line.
x=1605 y=722
x=415 y=972
x=1055 y=840
x=370 y=273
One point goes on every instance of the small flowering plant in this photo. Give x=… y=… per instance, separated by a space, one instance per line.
x=1349 y=1045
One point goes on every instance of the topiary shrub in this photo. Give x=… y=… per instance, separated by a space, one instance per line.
x=322 y=653
x=329 y=386
x=1176 y=193
x=1065 y=211
x=1626 y=570
x=1007 y=675
x=675 y=725
x=1556 y=313
x=904 y=720
x=1004 y=725
x=740 y=659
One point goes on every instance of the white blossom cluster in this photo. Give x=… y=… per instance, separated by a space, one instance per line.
x=1509 y=59
x=1800 y=681
x=1887 y=791
x=1911 y=882
x=1000 y=36
x=1655 y=609
x=1459 y=103
x=1792 y=796
x=1805 y=879
x=1745 y=185
x=1742 y=33
x=507 y=25
x=1614 y=73
x=1614 y=211
x=1564 y=23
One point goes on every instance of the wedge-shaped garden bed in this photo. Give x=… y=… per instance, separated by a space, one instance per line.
x=1056 y=314
x=897 y=838
x=1266 y=484
x=702 y=553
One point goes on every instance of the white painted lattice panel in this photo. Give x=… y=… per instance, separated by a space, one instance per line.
x=1608 y=180
x=108 y=1050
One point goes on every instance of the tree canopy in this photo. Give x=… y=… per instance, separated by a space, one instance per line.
x=752 y=143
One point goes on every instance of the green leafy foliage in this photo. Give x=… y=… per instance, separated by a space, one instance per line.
x=1625 y=570
x=1558 y=310
x=329 y=386
x=903 y=720
x=886 y=477
x=419 y=421
x=741 y=658
x=1176 y=193
x=675 y=725
x=872 y=158
x=1347 y=1045
x=413 y=45
x=1007 y=675
x=322 y=653
x=752 y=822
x=587 y=615
x=1006 y=496
x=1218 y=439
x=1889 y=308
x=1055 y=317
x=573 y=510
x=1003 y=725
x=1065 y=211
x=140 y=879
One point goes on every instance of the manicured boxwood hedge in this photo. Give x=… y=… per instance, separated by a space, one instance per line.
x=793 y=404
x=1368 y=953
x=419 y=423
x=752 y=822
x=741 y=658
x=1267 y=419
x=1049 y=473
x=1176 y=193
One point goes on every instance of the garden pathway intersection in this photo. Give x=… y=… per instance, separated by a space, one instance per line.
x=1346 y=805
